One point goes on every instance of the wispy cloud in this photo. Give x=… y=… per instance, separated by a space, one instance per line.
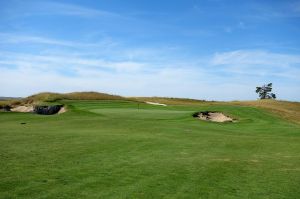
x=179 y=78
x=204 y=52
x=255 y=57
x=13 y=38
x=77 y=64
x=296 y=7
x=128 y=70
x=58 y=8
x=18 y=39
x=281 y=10
x=258 y=62
x=76 y=10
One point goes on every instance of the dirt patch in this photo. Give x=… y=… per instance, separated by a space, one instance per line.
x=23 y=109
x=213 y=116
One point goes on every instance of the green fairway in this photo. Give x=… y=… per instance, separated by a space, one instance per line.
x=119 y=149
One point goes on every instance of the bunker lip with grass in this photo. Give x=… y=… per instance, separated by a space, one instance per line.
x=213 y=116
x=42 y=110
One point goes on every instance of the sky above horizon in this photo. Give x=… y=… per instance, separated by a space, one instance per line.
x=210 y=49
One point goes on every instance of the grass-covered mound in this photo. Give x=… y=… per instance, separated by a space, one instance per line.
x=47 y=98
x=52 y=97
x=285 y=109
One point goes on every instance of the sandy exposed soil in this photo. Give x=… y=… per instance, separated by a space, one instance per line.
x=214 y=117
x=62 y=110
x=23 y=109
x=29 y=109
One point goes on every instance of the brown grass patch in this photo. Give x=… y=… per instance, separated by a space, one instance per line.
x=52 y=97
x=284 y=109
x=172 y=101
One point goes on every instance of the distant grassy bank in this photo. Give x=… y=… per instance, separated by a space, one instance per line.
x=285 y=109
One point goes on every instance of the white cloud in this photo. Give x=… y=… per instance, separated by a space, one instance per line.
x=72 y=9
x=266 y=12
x=252 y=57
x=55 y=63
x=167 y=82
x=17 y=39
x=11 y=38
x=34 y=8
x=258 y=62
x=144 y=71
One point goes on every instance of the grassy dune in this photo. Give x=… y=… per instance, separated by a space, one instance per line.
x=50 y=97
x=122 y=149
x=284 y=109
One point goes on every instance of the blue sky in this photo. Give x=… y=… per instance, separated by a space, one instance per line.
x=212 y=49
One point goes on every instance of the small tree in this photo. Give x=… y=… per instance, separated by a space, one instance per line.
x=264 y=92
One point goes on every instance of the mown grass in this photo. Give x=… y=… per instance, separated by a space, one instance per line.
x=122 y=149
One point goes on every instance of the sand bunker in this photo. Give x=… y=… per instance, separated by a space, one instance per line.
x=47 y=110
x=213 y=116
x=62 y=110
x=154 y=103
x=43 y=110
x=23 y=109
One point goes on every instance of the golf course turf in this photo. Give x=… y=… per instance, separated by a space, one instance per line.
x=122 y=149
